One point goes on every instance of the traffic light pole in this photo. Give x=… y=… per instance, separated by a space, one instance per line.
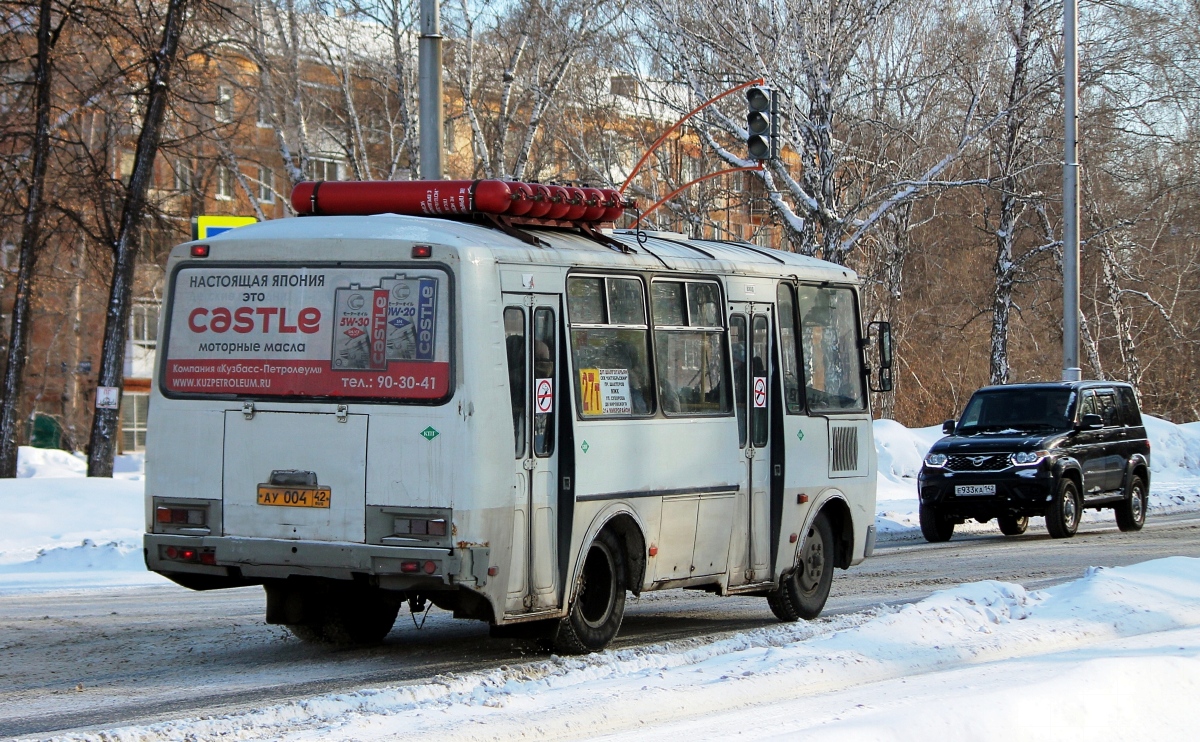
x=637 y=223
x=637 y=168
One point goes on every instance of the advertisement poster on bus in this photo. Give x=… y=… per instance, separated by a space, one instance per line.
x=319 y=332
x=605 y=391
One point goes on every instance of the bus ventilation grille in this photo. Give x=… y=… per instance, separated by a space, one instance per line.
x=844 y=449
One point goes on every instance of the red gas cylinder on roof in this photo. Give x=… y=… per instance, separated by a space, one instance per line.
x=456 y=198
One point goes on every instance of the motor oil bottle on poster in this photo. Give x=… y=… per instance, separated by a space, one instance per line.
x=360 y=329
x=394 y=322
x=412 y=309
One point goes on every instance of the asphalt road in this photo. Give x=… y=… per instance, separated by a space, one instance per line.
x=109 y=657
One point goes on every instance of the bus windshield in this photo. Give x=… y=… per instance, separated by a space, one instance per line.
x=314 y=331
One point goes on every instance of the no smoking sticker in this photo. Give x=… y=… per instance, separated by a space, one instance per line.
x=543 y=395
x=760 y=391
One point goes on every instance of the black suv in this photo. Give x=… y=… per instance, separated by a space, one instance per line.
x=1048 y=449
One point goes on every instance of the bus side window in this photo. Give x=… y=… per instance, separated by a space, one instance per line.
x=787 y=349
x=737 y=345
x=514 y=345
x=759 y=363
x=543 y=368
x=689 y=337
x=610 y=341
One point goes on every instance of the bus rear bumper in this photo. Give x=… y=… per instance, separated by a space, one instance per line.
x=255 y=560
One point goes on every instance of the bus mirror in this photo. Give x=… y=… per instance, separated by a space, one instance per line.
x=880 y=334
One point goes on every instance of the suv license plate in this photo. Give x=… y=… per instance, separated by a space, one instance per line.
x=294 y=497
x=975 y=489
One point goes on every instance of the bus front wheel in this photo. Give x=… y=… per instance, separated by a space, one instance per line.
x=803 y=593
x=599 y=604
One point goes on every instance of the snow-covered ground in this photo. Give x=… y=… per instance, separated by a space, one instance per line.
x=62 y=529
x=1113 y=655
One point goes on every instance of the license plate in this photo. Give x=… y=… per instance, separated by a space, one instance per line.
x=975 y=489
x=294 y=497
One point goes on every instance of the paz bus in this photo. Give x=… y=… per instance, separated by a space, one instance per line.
x=517 y=419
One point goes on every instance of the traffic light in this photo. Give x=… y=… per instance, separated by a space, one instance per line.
x=762 y=124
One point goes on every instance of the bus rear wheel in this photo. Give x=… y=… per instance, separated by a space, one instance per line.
x=803 y=593
x=599 y=604
x=352 y=616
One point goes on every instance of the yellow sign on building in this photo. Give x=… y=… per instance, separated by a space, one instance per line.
x=210 y=225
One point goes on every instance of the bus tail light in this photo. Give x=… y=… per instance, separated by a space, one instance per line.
x=180 y=516
x=189 y=554
x=420 y=526
x=410 y=567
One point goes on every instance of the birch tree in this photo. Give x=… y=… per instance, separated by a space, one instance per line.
x=102 y=444
x=1016 y=155
x=508 y=64
x=47 y=31
x=807 y=50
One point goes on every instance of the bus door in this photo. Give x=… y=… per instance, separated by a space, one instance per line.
x=750 y=334
x=530 y=339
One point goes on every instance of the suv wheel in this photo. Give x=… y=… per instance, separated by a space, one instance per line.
x=935 y=527
x=1062 y=517
x=1131 y=514
x=1011 y=525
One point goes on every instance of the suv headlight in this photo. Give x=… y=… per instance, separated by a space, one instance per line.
x=1024 y=458
x=935 y=459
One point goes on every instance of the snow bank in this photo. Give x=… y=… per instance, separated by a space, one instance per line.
x=50 y=513
x=53 y=463
x=114 y=555
x=1174 y=449
x=1121 y=646
x=65 y=526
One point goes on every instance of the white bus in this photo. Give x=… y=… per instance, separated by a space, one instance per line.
x=358 y=411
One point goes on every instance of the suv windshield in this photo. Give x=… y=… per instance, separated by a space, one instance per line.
x=1017 y=410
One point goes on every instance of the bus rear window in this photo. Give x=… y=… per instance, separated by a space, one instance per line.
x=265 y=331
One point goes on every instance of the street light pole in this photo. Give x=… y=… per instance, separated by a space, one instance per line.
x=1071 y=370
x=429 y=90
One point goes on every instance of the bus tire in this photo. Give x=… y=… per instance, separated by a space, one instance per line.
x=354 y=616
x=599 y=604
x=803 y=593
x=309 y=633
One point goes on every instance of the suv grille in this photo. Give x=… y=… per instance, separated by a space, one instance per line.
x=978 y=462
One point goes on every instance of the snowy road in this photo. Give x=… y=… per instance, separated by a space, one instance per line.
x=116 y=656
